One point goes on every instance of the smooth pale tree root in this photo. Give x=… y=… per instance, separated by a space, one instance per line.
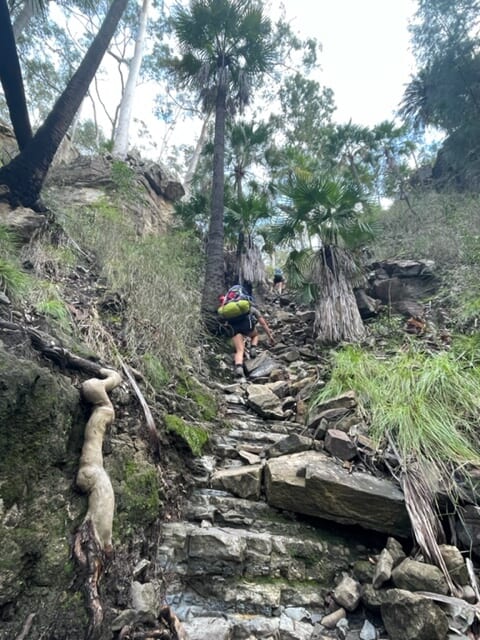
x=93 y=541
x=92 y=546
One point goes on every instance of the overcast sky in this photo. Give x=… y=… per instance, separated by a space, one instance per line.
x=366 y=56
x=365 y=59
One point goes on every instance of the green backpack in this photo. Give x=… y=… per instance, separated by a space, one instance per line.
x=236 y=303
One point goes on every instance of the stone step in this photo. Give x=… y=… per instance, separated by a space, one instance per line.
x=237 y=570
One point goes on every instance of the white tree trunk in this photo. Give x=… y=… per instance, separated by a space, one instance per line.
x=187 y=180
x=120 y=143
x=23 y=18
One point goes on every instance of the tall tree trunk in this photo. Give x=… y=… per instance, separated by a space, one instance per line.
x=25 y=174
x=11 y=79
x=214 y=271
x=120 y=143
x=192 y=167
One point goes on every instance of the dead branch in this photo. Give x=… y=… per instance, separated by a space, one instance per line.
x=152 y=430
x=26 y=627
x=473 y=578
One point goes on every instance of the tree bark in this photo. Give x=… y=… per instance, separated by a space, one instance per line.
x=120 y=143
x=11 y=79
x=214 y=272
x=25 y=174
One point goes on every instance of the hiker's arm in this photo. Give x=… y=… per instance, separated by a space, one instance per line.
x=267 y=329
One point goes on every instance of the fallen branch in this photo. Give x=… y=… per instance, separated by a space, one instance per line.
x=152 y=430
x=26 y=627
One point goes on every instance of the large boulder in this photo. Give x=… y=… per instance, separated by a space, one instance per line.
x=408 y=616
x=312 y=483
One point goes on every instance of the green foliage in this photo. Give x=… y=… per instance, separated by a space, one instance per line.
x=223 y=43
x=123 y=177
x=48 y=301
x=55 y=309
x=329 y=207
x=194 y=436
x=428 y=404
x=14 y=282
x=440 y=227
x=445 y=91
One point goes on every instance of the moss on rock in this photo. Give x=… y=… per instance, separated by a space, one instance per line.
x=194 y=436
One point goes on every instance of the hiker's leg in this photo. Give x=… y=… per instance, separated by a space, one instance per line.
x=239 y=344
x=254 y=338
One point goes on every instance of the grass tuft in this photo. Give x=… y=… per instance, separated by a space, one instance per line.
x=428 y=404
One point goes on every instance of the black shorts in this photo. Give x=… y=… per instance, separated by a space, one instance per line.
x=277 y=278
x=244 y=325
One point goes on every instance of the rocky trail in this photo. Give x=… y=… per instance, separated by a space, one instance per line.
x=290 y=533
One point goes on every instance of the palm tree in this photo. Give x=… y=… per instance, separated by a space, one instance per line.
x=246 y=146
x=330 y=211
x=225 y=45
x=241 y=219
x=23 y=178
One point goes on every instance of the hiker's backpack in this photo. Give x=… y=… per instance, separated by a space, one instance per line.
x=236 y=303
x=278 y=272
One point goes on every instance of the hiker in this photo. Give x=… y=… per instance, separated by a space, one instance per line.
x=278 y=280
x=242 y=327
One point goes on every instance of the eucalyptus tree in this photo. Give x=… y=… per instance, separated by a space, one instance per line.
x=331 y=212
x=22 y=179
x=225 y=45
x=306 y=109
x=122 y=133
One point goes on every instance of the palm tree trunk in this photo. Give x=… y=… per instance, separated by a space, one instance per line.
x=214 y=271
x=11 y=79
x=337 y=318
x=120 y=143
x=25 y=174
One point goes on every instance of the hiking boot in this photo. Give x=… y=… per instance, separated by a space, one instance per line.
x=238 y=371
x=253 y=352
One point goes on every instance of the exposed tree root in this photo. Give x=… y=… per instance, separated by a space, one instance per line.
x=93 y=541
x=26 y=627
x=92 y=546
x=92 y=559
